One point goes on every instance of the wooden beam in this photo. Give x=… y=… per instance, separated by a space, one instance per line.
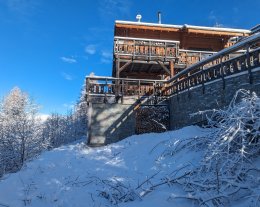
x=141 y=61
x=212 y=32
x=172 y=69
x=143 y=76
x=125 y=65
x=117 y=68
x=144 y=27
x=164 y=67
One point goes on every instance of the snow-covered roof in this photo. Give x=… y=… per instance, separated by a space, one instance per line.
x=149 y=24
x=221 y=29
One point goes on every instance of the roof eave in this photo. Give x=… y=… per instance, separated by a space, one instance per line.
x=218 y=29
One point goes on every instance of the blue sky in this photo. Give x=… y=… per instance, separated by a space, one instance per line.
x=48 y=46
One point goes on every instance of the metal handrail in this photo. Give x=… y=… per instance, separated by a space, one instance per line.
x=245 y=42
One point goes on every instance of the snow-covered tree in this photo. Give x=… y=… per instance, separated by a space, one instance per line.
x=19 y=130
x=62 y=129
x=80 y=113
x=23 y=135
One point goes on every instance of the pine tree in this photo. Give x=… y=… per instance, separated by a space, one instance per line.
x=19 y=130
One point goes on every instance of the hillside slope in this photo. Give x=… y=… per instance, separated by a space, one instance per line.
x=72 y=175
x=193 y=166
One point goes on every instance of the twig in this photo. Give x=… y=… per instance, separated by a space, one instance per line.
x=151 y=177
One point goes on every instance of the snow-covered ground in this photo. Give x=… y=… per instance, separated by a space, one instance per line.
x=76 y=175
x=138 y=171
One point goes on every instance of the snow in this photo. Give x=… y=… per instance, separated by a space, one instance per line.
x=185 y=26
x=43 y=117
x=214 y=166
x=61 y=177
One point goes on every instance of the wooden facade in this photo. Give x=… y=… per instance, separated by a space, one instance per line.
x=159 y=51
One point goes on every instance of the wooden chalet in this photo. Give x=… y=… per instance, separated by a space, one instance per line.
x=151 y=62
x=159 y=51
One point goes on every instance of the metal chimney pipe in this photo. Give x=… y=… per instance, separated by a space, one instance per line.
x=138 y=17
x=159 y=17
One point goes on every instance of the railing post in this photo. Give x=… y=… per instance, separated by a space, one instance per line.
x=134 y=49
x=155 y=93
x=202 y=80
x=250 y=77
x=87 y=90
x=165 y=51
x=105 y=91
x=177 y=89
x=150 y=50
x=122 y=94
x=139 y=88
x=115 y=46
x=222 y=72
x=189 y=84
x=177 y=49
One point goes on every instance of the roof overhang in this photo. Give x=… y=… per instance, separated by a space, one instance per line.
x=188 y=28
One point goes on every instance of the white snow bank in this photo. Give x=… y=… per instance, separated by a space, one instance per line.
x=68 y=176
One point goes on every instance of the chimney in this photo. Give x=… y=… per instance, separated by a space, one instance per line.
x=159 y=18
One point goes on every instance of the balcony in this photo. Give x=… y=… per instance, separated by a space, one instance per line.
x=145 y=49
x=111 y=90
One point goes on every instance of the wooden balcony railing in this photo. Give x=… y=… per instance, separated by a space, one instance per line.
x=151 y=49
x=227 y=62
x=122 y=87
x=146 y=48
x=189 y=57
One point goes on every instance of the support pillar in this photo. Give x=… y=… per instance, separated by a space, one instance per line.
x=172 y=68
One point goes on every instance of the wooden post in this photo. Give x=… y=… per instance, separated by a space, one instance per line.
x=202 y=79
x=139 y=88
x=87 y=90
x=105 y=91
x=117 y=81
x=123 y=87
x=250 y=77
x=118 y=68
x=189 y=85
x=222 y=72
x=172 y=68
